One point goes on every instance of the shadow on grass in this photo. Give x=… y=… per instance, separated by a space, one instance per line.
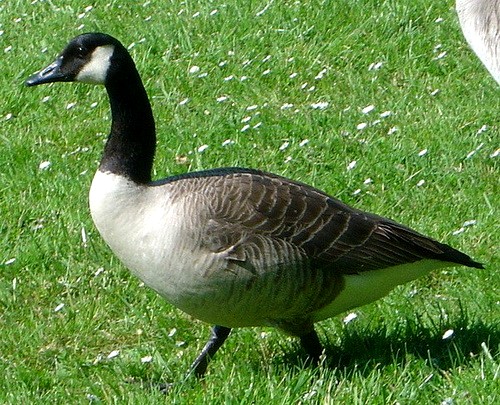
x=363 y=350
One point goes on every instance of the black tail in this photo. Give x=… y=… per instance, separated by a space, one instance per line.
x=455 y=256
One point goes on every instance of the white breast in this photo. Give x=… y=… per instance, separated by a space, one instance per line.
x=148 y=233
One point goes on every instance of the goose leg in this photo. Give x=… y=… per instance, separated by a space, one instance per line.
x=217 y=338
x=311 y=344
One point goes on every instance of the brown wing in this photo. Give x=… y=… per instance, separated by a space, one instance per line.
x=267 y=220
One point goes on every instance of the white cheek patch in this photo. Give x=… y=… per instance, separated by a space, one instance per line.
x=95 y=70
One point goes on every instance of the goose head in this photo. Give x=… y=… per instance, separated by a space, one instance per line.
x=98 y=58
x=88 y=58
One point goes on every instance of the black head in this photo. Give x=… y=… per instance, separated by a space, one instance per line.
x=87 y=58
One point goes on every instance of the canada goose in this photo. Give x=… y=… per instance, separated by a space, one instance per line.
x=480 y=22
x=233 y=247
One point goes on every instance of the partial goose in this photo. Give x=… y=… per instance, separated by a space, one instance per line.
x=480 y=22
x=233 y=247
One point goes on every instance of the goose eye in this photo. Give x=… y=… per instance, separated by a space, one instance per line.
x=80 y=52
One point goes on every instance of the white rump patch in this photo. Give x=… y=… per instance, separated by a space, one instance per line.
x=96 y=69
x=368 y=286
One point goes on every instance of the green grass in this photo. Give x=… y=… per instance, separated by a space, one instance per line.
x=269 y=55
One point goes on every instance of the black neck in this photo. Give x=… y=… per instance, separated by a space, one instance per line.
x=131 y=144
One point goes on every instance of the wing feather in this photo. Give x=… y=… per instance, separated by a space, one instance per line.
x=267 y=221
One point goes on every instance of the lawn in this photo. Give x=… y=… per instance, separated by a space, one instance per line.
x=380 y=103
